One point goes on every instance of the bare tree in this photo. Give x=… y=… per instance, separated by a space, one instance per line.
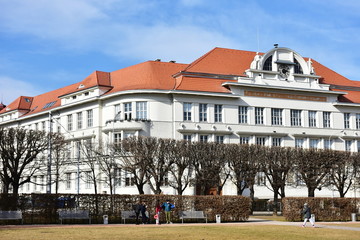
x=182 y=169
x=245 y=164
x=19 y=149
x=209 y=165
x=158 y=161
x=313 y=165
x=59 y=161
x=91 y=157
x=342 y=173
x=107 y=164
x=276 y=165
x=132 y=160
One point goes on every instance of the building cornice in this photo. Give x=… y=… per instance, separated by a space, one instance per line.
x=296 y=89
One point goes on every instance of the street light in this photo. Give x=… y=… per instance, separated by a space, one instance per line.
x=48 y=187
x=113 y=141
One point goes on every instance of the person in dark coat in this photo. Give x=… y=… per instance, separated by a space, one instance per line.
x=143 y=213
x=307 y=215
x=137 y=209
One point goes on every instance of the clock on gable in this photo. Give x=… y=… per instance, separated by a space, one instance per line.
x=284 y=70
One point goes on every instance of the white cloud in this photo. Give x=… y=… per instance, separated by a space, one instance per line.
x=181 y=43
x=13 y=88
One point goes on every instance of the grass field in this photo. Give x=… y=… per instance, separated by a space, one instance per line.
x=176 y=231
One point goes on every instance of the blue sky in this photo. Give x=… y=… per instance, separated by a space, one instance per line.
x=48 y=44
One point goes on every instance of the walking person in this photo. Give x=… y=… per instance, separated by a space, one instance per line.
x=168 y=206
x=137 y=210
x=158 y=209
x=307 y=215
x=143 y=209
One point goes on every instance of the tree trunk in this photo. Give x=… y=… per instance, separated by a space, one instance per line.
x=311 y=192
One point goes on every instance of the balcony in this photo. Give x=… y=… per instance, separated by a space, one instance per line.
x=134 y=124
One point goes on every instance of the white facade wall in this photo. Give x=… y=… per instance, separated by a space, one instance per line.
x=165 y=120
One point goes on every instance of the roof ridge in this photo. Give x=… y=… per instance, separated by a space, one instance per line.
x=200 y=58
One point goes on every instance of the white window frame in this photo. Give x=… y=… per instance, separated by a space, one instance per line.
x=259 y=115
x=243 y=114
x=295 y=117
x=203 y=112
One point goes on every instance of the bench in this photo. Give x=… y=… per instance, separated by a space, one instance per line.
x=128 y=215
x=192 y=215
x=74 y=214
x=11 y=215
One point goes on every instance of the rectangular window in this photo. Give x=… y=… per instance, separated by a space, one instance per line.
x=88 y=178
x=117 y=177
x=202 y=112
x=260 y=141
x=187 y=137
x=68 y=181
x=326 y=119
x=69 y=122
x=141 y=110
x=314 y=143
x=204 y=138
x=276 y=142
x=328 y=143
x=243 y=114
x=43 y=126
x=165 y=180
x=128 y=111
x=259 y=115
x=117 y=112
x=358 y=145
x=42 y=183
x=219 y=139
x=218 y=113
x=35 y=183
x=276 y=116
x=90 y=120
x=299 y=143
x=312 y=118
x=260 y=179
x=129 y=179
x=358 y=121
x=348 y=145
x=346 y=120
x=79 y=120
x=117 y=138
x=244 y=140
x=187 y=111
x=295 y=117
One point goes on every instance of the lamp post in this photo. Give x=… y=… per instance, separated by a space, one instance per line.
x=113 y=141
x=48 y=186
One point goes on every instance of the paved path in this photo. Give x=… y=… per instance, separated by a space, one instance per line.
x=317 y=225
x=251 y=221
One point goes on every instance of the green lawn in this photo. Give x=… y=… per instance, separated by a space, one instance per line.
x=176 y=231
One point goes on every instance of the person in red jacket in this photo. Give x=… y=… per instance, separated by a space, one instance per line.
x=157 y=213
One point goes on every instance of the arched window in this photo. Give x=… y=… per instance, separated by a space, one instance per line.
x=297 y=67
x=268 y=64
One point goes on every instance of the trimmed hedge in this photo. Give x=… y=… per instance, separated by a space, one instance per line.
x=325 y=209
x=43 y=208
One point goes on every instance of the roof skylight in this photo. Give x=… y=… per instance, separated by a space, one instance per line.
x=48 y=105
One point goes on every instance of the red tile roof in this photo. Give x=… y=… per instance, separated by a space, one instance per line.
x=146 y=75
x=160 y=75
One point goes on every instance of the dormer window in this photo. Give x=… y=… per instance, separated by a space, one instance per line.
x=81 y=86
x=297 y=67
x=268 y=64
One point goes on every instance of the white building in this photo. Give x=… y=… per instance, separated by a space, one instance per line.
x=277 y=98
